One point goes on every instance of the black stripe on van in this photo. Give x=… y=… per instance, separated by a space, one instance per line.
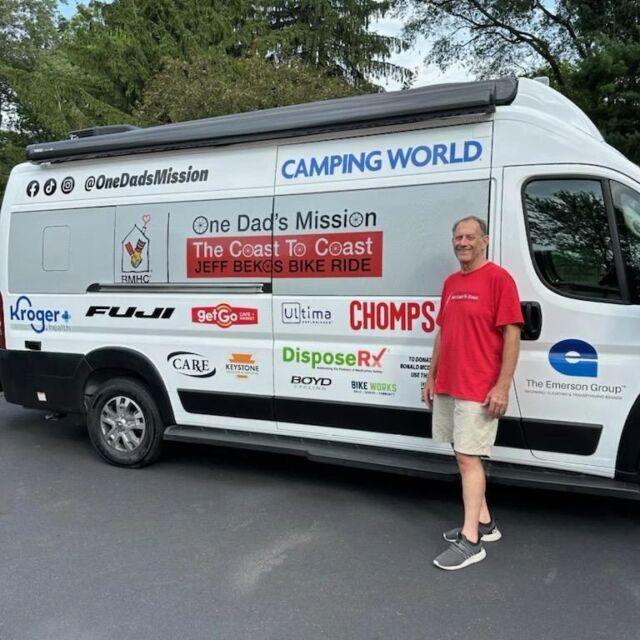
x=540 y=435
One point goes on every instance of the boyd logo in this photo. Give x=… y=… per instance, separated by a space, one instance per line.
x=311 y=381
x=574 y=357
x=159 y=313
x=190 y=364
x=39 y=319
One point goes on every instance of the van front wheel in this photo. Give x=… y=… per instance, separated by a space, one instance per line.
x=124 y=423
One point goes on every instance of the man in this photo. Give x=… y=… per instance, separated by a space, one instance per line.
x=474 y=358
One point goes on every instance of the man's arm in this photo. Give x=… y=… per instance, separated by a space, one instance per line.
x=430 y=382
x=497 y=399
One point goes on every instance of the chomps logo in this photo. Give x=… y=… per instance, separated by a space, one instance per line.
x=574 y=357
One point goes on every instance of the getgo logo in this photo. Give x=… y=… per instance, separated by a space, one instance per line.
x=39 y=319
x=224 y=315
x=574 y=357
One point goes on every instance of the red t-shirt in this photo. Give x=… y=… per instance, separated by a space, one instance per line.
x=473 y=309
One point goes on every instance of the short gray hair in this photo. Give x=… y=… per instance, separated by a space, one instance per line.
x=480 y=221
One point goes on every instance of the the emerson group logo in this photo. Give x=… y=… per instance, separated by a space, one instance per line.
x=573 y=357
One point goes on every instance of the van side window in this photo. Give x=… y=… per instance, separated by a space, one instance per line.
x=626 y=203
x=569 y=237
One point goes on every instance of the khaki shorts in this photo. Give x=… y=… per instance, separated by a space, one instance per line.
x=464 y=424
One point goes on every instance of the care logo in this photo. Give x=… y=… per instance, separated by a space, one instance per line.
x=135 y=248
x=39 y=319
x=242 y=365
x=191 y=364
x=224 y=315
x=573 y=357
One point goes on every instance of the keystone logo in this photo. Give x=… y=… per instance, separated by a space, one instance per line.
x=362 y=358
x=224 y=315
x=242 y=365
x=39 y=319
x=574 y=357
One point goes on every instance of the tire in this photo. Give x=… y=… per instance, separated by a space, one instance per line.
x=124 y=423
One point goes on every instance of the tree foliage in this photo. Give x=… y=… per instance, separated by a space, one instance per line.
x=588 y=48
x=147 y=61
x=217 y=85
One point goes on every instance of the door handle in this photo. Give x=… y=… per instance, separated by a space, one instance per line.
x=532 y=314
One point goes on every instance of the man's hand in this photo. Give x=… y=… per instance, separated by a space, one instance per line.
x=427 y=391
x=497 y=401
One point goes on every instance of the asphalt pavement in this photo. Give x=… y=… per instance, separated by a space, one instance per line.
x=214 y=543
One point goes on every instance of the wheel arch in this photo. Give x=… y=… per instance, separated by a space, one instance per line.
x=628 y=458
x=111 y=362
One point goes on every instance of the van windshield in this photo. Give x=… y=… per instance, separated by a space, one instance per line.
x=627 y=207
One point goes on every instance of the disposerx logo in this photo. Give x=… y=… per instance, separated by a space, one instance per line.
x=573 y=357
x=39 y=319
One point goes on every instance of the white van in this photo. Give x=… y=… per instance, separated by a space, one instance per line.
x=271 y=280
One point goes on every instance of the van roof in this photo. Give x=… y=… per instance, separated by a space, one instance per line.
x=433 y=101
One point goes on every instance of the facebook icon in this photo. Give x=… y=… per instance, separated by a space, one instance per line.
x=33 y=188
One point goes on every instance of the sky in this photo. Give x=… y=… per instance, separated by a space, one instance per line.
x=412 y=59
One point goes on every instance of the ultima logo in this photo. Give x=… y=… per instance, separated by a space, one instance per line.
x=362 y=358
x=39 y=319
x=574 y=357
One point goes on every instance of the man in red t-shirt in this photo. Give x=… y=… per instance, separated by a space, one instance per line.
x=474 y=358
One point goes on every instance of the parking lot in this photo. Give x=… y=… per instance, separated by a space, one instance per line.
x=225 y=544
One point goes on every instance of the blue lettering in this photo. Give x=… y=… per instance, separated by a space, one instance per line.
x=440 y=153
x=472 y=150
x=286 y=175
x=452 y=158
x=319 y=168
x=374 y=160
x=336 y=161
x=416 y=160
x=301 y=170
x=399 y=156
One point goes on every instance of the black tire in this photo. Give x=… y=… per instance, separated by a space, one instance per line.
x=124 y=423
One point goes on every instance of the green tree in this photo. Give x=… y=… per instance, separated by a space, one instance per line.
x=214 y=85
x=588 y=48
x=334 y=36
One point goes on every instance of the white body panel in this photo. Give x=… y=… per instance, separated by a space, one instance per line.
x=352 y=232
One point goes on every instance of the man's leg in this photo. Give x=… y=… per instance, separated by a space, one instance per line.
x=485 y=514
x=473 y=493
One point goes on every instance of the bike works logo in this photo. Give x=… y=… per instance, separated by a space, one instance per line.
x=242 y=365
x=135 y=248
x=224 y=315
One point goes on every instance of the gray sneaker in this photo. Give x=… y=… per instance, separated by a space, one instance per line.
x=489 y=532
x=460 y=554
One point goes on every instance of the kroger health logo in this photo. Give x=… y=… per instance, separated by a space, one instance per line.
x=39 y=319
x=574 y=357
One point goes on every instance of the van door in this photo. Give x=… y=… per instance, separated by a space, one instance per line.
x=571 y=237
